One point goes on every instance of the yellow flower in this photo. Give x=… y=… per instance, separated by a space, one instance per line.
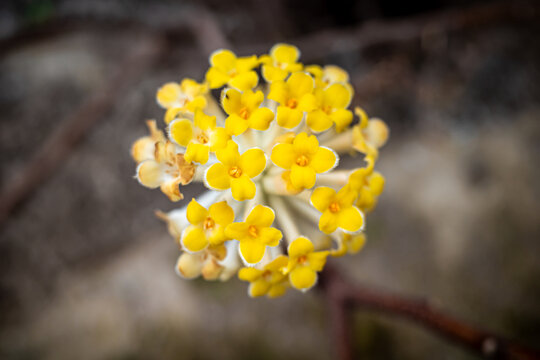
x=226 y=68
x=281 y=62
x=337 y=209
x=369 y=185
x=199 y=137
x=330 y=74
x=207 y=226
x=349 y=243
x=167 y=170
x=245 y=112
x=305 y=158
x=205 y=263
x=255 y=234
x=186 y=96
x=332 y=109
x=235 y=171
x=271 y=281
x=294 y=97
x=370 y=134
x=144 y=148
x=304 y=263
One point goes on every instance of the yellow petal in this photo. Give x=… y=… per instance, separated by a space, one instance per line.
x=229 y=155
x=189 y=265
x=356 y=243
x=221 y=213
x=203 y=121
x=252 y=100
x=199 y=102
x=276 y=290
x=377 y=132
x=261 y=216
x=217 y=236
x=300 y=83
x=181 y=131
x=219 y=139
x=346 y=196
x=304 y=144
x=217 y=177
x=337 y=96
x=231 y=100
x=235 y=125
x=194 y=239
x=283 y=155
x=243 y=188
x=288 y=118
x=285 y=53
x=249 y=274
x=238 y=231
x=342 y=118
x=303 y=177
x=150 y=173
x=279 y=92
x=350 y=219
x=323 y=160
x=376 y=183
x=308 y=102
x=261 y=118
x=197 y=153
x=334 y=74
x=252 y=251
x=301 y=246
x=303 y=278
x=317 y=260
x=315 y=70
x=270 y=236
x=172 y=113
x=252 y=162
x=272 y=73
x=329 y=221
x=168 y=95
x=318 y=121
x=278 y=263
x=195 y=212
x=246 y=63
x=244 y=81
x=224 y=60
x=216 y=78
x=259 y=287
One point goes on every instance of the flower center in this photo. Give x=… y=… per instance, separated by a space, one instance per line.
x=244 y=113
x=202 y=138
x=302 y=259
x=253 y=231
x=334 y=207
x=292 y=103
x=302 y=160
x=233 y=73
x=327 y=109
x=235 y=172
x=209 y=223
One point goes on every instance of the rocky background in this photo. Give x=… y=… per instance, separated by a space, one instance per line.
x=86 y=270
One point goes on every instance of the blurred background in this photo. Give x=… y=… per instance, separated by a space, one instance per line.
x=86 y=270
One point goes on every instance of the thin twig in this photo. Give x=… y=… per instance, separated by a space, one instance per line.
x=342 y=295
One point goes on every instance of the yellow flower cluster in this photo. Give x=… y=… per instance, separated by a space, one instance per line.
x=265 y=150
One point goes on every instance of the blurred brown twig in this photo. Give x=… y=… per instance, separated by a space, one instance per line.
x=342 y=296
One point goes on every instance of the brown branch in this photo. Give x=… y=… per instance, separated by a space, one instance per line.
x=342 y=296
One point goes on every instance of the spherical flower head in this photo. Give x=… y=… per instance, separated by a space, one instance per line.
x=252 y=219
x=305 y=159
x=304 y=263
x=235 y=171
x=255 y=234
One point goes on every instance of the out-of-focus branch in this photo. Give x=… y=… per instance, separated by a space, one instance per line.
x=342 y=296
